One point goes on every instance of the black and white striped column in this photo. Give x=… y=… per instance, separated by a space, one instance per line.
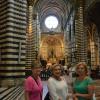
x=80 y=34
x=12 y=41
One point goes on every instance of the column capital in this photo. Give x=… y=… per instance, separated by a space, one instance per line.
x=30 y=2
x=34 y=16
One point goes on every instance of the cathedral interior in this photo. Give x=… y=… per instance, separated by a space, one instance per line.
x=28 y=34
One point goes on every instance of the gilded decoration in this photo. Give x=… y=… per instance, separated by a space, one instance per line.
x=52 y=48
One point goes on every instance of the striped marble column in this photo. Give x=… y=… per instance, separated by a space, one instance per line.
x=12 y=41
x=35 y=37
x=29 y=37
x=32 y=46
x=65 y=47
x=80 y=34
x=99 y=48
x=38 y=36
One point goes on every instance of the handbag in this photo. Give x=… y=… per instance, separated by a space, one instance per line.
x=47 y=97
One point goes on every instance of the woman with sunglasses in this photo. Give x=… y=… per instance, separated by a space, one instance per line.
x=83 y=85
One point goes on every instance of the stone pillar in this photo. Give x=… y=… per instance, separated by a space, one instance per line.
x=12 y=41
x=32 y=47
x=38 y=37
x=99 y=48
x=65 y=48
x=80 y=34
x=35 y=37
x=29 y=36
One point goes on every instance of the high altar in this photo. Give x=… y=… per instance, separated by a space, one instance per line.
x=52 y=47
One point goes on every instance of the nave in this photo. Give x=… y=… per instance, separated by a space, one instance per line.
x=72 y=36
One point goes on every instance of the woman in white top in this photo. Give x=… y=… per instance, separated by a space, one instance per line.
x=57 y=86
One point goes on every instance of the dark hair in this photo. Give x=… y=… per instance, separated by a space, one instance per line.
x=35 y=64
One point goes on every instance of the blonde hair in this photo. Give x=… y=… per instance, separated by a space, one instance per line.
x=83 y=64
x=55 y=65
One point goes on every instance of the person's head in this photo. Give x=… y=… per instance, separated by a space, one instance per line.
x=81 y=69
x=36 y=69
x=56 y=70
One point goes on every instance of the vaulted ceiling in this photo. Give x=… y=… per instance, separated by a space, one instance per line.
x=94 y=14
x=61 y=9
x=58 y=8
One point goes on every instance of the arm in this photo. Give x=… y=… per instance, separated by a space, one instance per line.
x=74 y=96
x=52 y=90
x=26 y=95
x=90 y=93
x=90 y=88
x=27 y=88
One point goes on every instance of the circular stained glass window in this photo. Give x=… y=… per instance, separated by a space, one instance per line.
x=51 y=22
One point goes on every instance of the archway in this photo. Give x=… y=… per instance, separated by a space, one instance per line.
x=52 y=48
x=93 y=23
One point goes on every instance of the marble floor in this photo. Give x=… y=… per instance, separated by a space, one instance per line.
x=45 y=90
x=17 y=93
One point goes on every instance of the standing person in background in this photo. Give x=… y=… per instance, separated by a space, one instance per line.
x=83 y=85
x=57 y=86
x=69 y=81
x=33 y=84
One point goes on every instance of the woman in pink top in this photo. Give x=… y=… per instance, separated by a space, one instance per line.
x=33 y=84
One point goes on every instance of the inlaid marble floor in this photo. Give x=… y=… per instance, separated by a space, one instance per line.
x=4 y=91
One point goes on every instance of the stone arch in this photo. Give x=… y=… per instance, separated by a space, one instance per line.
x=93 y=30
x=52 y=48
